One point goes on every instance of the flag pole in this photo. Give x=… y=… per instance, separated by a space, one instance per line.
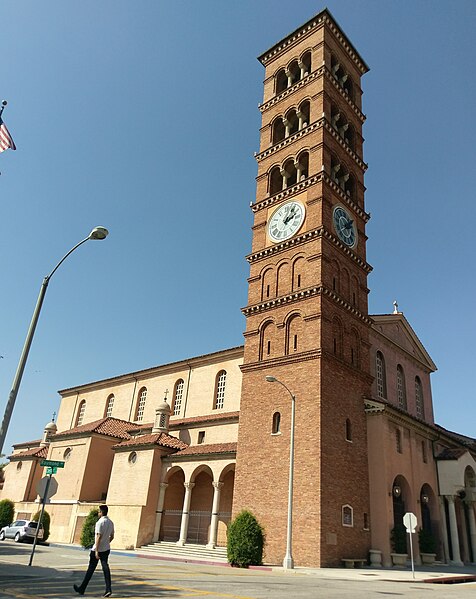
x=4 y=103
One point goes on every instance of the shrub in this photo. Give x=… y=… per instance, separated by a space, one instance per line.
x=7 y=511
x=87 y=533
x=426 y=541
x=46 y=523
x=245 y=541
x=398 y=539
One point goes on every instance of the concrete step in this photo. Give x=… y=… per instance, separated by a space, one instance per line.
x=188 y=553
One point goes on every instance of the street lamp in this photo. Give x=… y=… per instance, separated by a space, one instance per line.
x=288 y=562
x=96 y=233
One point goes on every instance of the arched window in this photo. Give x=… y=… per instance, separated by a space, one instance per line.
x=141 y=404
x=298 y=273
x=337 y=336
x=276 y=423
x=347 y=515
x=278 y=131
x=294 y=334
x=294 y=72
x=304 y=114
x=301 y=165
x=348 y=430
x=420 y=408
x=381 y=375
x=398 y=440
x=355 y=348
x=178 y=393
x=220 y=390
x=291 y=123
x=109 y=406
x=305 y=64
x=81 y=410
x=275 y=180
x=267 y=339
x=401 y=388
x=283 y=283
x=290 y=173
x=281 y=81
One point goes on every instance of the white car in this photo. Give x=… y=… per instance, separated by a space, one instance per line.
x=21 y=530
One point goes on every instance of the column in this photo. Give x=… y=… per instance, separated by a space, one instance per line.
x=285 y=175
x=302 y=66
x=185 y=513
x=298 y=170
x=212 y=539
x=456 y=561
x=289 y=76
x=160 y=510
x=444 y=530
x=286 y=127
x=299 y=115
x=472 y=528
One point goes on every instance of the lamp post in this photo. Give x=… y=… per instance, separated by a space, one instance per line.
x=288 y=562
x=96 y=233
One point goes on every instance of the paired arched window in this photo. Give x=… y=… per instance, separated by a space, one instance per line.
x=220 y=390
x=297 y=70
x=293 y=171
x=343 y=78
x=109 y=406
x=81 y=411
x=178 y=394
x=141 y=399
x=293 y=121
x=342 y=178
x=401 y=388
x=420 y=408
x=342 y=126
x=381 y=375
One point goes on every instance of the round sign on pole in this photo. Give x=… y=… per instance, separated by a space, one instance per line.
x=52 y=488
x=410 y=522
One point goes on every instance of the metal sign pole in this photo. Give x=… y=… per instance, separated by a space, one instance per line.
x=43 y=503
x=411 y=553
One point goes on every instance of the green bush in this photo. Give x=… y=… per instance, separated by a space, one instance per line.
x=426 y=541
x=87 y=534
x=398 y=539
x=46 y=523
x=245 y=541
x=7 y=511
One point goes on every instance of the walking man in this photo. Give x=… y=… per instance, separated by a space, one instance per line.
x=103 y=535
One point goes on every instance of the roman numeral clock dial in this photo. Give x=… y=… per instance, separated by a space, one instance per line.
x=345 y=227
x=286 y=221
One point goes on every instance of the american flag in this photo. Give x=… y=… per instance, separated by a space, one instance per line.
x=6 y=140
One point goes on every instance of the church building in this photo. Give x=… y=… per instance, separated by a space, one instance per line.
x=178 y=450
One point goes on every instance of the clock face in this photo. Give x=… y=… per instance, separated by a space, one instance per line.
x=286 y=221
x=345 y=227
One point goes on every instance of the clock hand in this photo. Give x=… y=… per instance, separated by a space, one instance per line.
x=349 y=224
x=290 y=216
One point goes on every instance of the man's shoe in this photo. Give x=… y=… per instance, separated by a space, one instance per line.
x=78 y=590
x=107 y=594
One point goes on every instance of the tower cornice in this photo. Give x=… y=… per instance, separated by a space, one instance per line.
x=320 y=20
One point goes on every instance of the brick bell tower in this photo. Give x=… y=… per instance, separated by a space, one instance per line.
x=307 y=318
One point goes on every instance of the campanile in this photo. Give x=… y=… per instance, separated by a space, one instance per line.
x=307 y=317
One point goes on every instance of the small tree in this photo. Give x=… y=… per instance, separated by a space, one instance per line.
x=245 y=541
x=7 y=511
x=45 y=521
x=398 y=539
x=87 y=533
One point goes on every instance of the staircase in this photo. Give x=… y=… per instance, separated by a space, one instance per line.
x=169 y=550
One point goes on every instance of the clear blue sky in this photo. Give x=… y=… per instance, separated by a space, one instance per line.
x=142 y=117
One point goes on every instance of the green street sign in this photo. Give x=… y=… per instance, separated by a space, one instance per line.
x=51 y=470
x=52 y=463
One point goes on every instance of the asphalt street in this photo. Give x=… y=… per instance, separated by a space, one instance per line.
x=56 y=568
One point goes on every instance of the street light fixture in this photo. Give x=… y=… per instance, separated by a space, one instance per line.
x=96 y=233
x=288 y=562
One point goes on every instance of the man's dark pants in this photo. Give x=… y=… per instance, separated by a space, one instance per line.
x=93 y=562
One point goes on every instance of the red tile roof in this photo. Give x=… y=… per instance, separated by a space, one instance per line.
x=208 y=449
x=209 y=418
x=111 y=427
x=451 y=454
x=36 y=452
x=161 y=439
